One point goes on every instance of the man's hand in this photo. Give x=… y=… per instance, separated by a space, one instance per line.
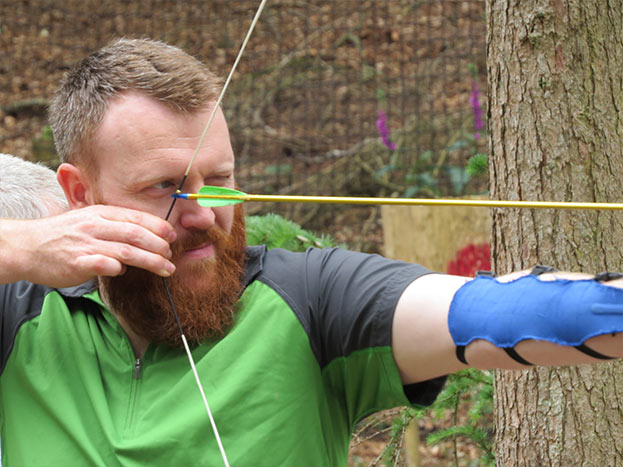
x=73 y=247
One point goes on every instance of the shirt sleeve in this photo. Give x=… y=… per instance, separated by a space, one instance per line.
x=346 y=301
x=19 y=302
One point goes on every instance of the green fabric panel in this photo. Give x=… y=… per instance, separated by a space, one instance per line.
x=68 y=395
x=368 y=380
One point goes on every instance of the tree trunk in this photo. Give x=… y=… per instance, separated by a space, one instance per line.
x=556 y=133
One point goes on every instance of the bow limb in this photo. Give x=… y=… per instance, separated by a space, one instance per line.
x=225 y=86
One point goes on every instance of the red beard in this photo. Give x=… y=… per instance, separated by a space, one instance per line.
x=140 y=299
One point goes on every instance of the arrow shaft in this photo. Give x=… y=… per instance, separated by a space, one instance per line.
x=408 y=201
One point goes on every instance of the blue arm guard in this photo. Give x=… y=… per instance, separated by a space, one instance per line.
x=566 y=312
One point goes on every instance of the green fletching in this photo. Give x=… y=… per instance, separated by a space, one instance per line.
x=218 y=191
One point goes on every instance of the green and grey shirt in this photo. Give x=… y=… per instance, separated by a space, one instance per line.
x=308 y=356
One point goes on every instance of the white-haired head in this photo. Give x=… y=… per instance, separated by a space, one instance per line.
x=28 y=190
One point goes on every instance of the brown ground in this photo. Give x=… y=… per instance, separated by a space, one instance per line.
x=367 y=446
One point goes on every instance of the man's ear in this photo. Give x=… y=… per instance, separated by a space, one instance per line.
x=76 y=185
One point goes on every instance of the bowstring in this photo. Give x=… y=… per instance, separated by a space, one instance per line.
x=179 y=189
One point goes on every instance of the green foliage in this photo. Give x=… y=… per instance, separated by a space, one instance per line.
x=349 y=38
x=43 y=148
x=438 y=170
x=474 y=389
x=458 y=179
x=473 y=69
x=468 y=392
x=478 y=164
x=46 y=133
x=278 y=169
x=425 y=176
x=275 y=231
x=391 y=453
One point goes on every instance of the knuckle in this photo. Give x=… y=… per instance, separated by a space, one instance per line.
x=134 y=234
x=125 y=253
x=100 y=265
x=88 y=229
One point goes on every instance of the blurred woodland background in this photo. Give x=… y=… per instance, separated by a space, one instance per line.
x=348 y=97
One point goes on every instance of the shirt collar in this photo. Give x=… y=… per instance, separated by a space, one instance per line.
x=254 y=263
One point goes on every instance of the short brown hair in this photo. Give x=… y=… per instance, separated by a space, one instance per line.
x=162 y=71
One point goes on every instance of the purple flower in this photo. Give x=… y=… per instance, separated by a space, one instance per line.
x=381 y=125
x=474 y=100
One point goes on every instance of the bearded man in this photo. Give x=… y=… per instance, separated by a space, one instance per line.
x=293 y=348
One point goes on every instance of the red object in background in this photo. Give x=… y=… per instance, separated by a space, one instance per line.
x=470 y=259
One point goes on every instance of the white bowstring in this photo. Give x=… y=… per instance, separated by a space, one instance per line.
x=205 y=402
x=203 y=135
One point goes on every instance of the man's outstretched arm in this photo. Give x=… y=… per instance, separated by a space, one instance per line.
x=424 y=346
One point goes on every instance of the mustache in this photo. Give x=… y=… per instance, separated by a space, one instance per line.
x=198 y=238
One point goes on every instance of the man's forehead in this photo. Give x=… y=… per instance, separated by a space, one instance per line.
x=134 y=116
x=140 y=133
x=132 y=104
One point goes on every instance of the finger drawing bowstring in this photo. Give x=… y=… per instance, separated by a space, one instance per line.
x=164 y=281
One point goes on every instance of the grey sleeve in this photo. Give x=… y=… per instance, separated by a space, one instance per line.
x=345 y=300
x=19 y=302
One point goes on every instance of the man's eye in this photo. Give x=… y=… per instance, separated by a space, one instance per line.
x=163 y=185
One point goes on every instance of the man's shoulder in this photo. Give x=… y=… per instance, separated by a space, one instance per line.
x=21 y=293
x=28 y=293
x=279 y=264
x=21 y=301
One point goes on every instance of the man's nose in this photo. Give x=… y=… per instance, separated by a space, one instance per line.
x=193 y=216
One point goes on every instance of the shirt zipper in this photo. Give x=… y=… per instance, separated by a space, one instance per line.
x=137 y=368
x=134 y=394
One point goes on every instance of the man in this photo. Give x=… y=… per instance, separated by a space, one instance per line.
x=293 y=349
x=28 y=190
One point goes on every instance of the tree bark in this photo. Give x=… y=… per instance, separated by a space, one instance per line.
x=556 y=133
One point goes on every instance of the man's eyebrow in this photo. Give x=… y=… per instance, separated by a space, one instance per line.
x=223 y=170
x=220 y=173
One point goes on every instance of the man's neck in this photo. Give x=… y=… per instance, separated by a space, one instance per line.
x=139 y=343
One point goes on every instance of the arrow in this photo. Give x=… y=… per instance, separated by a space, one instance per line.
x=212 y=196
